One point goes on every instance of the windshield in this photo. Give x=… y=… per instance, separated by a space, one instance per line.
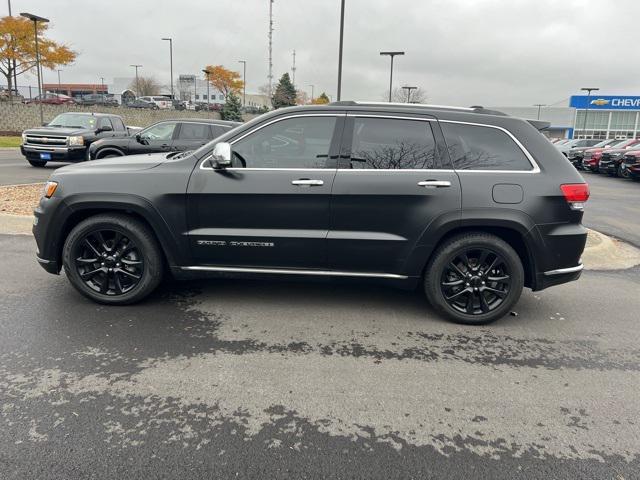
x=74 y=120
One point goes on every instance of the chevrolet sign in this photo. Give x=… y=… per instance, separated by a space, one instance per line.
x=608 y=102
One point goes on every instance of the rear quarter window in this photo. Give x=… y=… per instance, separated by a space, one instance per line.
x=475 y=147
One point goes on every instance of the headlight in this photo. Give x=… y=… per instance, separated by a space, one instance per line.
x=79 y=140
x=49 y=189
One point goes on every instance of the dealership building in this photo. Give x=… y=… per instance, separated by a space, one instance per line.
x=604 y=116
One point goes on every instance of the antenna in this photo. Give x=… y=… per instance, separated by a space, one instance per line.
x=270 y=76
x=293 y=69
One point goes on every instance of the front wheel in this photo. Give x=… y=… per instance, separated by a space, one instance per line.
x=113 y=259
x=623 y=172
x=474 y=278
x=37 y=163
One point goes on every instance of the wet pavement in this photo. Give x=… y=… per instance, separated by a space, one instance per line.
x=251 y=379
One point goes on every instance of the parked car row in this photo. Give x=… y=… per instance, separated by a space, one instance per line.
x=79 y=136
x=614 y=157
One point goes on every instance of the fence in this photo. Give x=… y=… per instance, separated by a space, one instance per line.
x=16 y=117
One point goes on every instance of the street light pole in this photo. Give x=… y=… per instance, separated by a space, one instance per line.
x=137 y=82
x=539 y=105
x=408 y=89
x=244 y=82
x=35 y=20
x=586 y=113
x=340 y=51
x=59 y=87
x=391 y=54
x=312 y=87
x=15 y=75
x=206 y=72
x=171 y=63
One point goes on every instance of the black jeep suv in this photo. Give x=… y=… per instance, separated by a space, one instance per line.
x=469 y=203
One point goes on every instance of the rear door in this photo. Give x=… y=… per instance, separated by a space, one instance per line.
x=392 y=182
x=192 y=135
x=271 y=208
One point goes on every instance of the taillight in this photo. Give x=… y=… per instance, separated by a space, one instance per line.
x=575 y=194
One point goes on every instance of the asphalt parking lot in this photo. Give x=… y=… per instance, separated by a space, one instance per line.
x=249 y=379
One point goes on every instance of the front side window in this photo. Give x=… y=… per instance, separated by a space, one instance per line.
x=194 y=131
x=300 y=142
x=161 y=131
x=474 y=147
x=386 y=143
x=104 y=122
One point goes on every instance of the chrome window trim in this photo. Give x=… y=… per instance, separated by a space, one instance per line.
x=260 y=127
x=285 y=271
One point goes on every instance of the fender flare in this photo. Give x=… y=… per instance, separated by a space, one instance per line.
x=108 y=149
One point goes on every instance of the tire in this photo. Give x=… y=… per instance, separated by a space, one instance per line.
x=442 y=279
x=37 y=163
x=130 y=275
x=623 y=173
x=108 y=155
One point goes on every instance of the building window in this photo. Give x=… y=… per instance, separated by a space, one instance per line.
x=197 y=97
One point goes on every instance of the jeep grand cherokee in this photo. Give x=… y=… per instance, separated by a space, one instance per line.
x=471 y=204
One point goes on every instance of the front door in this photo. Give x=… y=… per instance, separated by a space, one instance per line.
x=393 y=181
x=271 y=207
x=156 y=138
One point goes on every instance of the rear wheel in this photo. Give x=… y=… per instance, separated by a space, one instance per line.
x=37 y=163
x=623 y=172
x=474 y=278
x=113 y=259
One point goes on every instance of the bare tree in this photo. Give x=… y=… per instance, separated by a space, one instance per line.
x=399 y=95
x=145 y=86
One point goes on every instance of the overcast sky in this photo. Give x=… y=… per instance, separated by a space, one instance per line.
x=461 y=52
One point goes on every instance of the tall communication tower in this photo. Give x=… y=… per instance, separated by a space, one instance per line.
x=293 y=69
x=270 y=47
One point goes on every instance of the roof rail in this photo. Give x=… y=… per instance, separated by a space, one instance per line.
x=474 y=108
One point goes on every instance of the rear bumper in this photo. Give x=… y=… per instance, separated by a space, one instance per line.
x=558 y=276
x=57 y=154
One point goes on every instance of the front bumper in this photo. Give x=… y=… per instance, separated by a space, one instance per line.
x=56 y=154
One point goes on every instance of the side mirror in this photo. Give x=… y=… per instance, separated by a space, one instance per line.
x=138 y=138
x=105 y=128
x=221 y=156
x=44 y=124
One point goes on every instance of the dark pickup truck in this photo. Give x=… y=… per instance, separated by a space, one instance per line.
x=68 y=136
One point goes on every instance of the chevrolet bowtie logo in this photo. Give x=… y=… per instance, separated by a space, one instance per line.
x=599 y=102
x=45 y=140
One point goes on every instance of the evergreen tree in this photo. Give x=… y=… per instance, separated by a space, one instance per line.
x=322 y=99
x=285 y=94
x=232 y=109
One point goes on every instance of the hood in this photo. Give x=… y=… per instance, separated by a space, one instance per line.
x=58 y=131
x=616 y=150
x=129 y=163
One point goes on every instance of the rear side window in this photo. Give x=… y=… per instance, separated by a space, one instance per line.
x=473 y=147
x=392 y=144
x=194 y=131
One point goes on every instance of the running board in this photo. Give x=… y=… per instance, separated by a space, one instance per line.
x=282 y=271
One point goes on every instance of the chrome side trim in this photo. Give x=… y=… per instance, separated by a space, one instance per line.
x=284 y=271
x=561 y=271
x=395 y=117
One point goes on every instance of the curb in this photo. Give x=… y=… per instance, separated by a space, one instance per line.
x=602 y=252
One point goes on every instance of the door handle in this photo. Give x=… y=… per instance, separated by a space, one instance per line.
x=305 y=182
x=434 y=183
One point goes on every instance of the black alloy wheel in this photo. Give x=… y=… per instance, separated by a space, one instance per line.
x=109 y=262
x=113 y=258
x=474 y=278
x=476 y=281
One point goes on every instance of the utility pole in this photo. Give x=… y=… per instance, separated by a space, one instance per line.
x=293 y=70
x=391 y=54
x=340 y=50
x=137 y=82
x=270 y=76
x=408 y=89
x=244 y=82
x=170 y=40
x=539 y=105
x=35 y=20
x=586 y=113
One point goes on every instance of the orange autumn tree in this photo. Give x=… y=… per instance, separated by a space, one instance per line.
x=18 y=47
x=223 y=80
